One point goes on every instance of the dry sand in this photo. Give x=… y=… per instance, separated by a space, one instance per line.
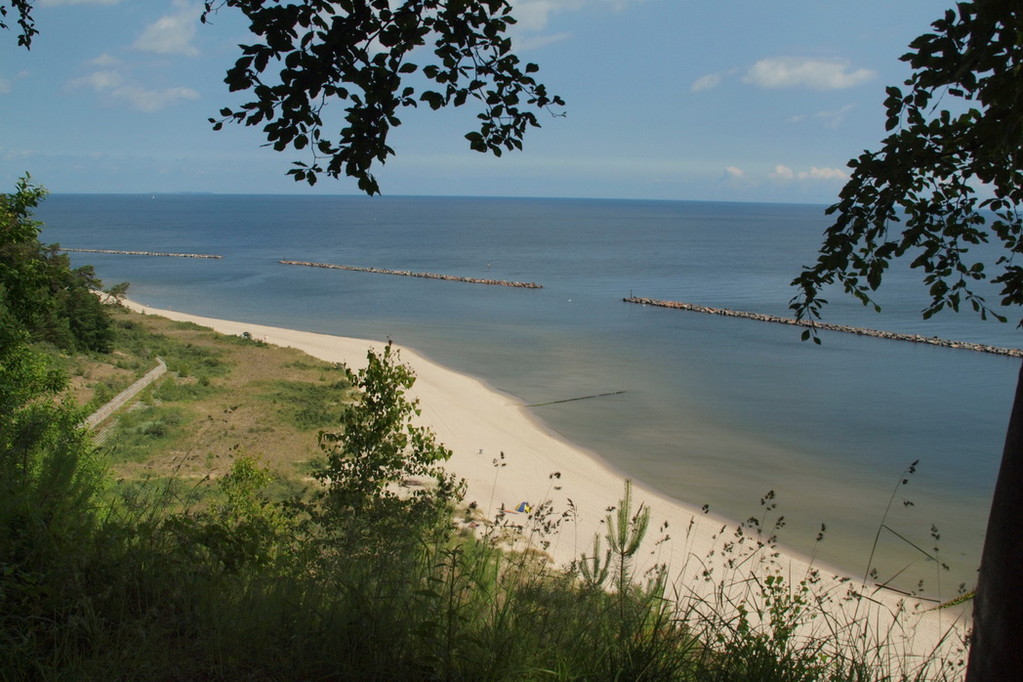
x=479 y=424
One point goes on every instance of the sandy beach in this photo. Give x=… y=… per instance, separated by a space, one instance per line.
x=507 y=457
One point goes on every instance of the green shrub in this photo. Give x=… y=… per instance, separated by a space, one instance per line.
x=143 y=433
x=189 y=359
x=177 y=390
x=49 y=486
x=306 y=405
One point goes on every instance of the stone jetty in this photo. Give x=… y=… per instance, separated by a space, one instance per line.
x=145 y=253
x=407 y=273
x=893 y=336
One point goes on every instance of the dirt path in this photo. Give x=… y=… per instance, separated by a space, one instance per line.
x=97 y=417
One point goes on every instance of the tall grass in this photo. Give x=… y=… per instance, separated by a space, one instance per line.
x=249 y=588
x=367 y=579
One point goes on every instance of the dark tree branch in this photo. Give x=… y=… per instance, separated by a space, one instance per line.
x=374 y=60
x=26 y=24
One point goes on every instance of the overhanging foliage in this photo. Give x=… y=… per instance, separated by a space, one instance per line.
x=377 y=57
x=948 y=178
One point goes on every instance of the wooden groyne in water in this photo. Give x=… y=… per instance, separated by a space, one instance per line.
x=581 y=397
x=407 y=273
x=893 y=336
x=145 y=253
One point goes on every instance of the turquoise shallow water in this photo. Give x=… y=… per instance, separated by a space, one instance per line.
x=714 y=410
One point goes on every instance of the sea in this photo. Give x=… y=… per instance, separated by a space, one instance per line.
x=706 y=409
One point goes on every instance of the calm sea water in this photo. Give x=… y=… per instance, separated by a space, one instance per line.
x=714 y=411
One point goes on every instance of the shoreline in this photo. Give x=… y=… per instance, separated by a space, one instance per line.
x=541 y=468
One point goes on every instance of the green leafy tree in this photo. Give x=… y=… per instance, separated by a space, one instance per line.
x=371 y=55
x=949 y=177
x=118 y=292
x=382 y=471
x=22 y=271
x=39 y=289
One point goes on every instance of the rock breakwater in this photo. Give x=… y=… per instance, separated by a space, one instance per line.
x=145 y=253
x=408 y=273
x=892 y=336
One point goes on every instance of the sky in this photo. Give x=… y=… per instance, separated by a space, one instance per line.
x=722 y=100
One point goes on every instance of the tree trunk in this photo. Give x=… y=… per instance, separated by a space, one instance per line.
x=996 y=648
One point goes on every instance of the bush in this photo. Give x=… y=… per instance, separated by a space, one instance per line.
x=307 y=405
x=39 y=290
x=49 y=485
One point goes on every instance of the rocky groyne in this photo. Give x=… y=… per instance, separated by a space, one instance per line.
x=892 y=336
x=145 y=253
x=408 y=273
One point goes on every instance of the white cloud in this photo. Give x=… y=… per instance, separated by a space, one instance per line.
x=6 y=85
x=105 y=60
x=117 y=88
x=534 y=15
x=783 y=173
x=828 y=174
x=99 y=81
x=830 y=118
x=711 y=80
x=815 y=74
x=15 y=154
x=534 y=42
x=172 y=33
x=153 y=100
x=735 y=173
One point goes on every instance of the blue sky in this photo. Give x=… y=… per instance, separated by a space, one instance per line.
x=738 y=100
